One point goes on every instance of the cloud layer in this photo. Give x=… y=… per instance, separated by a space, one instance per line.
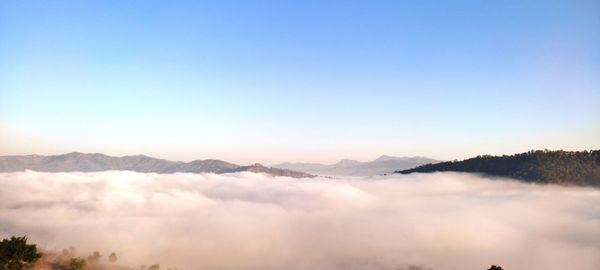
x=251 y=221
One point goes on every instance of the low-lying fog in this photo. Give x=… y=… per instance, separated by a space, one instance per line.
x=251 y=221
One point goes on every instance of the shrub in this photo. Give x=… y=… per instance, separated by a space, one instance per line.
x=78 y=264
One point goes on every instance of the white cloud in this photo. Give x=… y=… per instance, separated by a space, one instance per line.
x=251 y=221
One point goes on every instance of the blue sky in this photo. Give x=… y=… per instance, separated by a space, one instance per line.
x=273 y=81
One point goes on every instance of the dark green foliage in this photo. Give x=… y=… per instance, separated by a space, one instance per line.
x=16 y=254
x=559 y=167
x=78 y=264
x=495 y=267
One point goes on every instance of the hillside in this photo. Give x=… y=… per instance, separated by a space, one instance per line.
x=82 y=162
x=348 y=167
x=559 y=167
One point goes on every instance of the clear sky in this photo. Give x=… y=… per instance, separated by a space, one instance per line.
x=271 y=81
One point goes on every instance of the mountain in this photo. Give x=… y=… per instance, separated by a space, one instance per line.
x=558 y=167
x=82 y=162
x=348 y=167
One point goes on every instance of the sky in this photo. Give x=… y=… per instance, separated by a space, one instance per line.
x=311 y=81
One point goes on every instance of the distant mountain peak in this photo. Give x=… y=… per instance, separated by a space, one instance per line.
x=347 y=162
x=386 y=158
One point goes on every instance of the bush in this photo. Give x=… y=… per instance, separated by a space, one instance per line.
x=16 y=254
x=78 y=264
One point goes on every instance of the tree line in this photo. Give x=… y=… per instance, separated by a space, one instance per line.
x=17 y=254
x=541 y=166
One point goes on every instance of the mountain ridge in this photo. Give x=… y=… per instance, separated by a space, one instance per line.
x=92 y=162
x=347 y=167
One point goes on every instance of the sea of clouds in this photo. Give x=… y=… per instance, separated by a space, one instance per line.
x=252 y=221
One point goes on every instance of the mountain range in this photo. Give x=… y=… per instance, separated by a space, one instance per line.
x=83 y=162
x=348 y=167
x=558 y=167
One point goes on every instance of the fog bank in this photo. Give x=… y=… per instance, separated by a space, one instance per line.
x=252 y=221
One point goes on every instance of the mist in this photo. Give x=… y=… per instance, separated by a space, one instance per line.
x=253 y=221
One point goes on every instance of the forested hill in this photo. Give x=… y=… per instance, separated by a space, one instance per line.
x=559 y=167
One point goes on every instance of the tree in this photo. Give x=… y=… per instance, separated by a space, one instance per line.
x=78 y=264
x=112 y=257
x=495 y=267
x=16 y=254
x=154 y=267
x=94 y=257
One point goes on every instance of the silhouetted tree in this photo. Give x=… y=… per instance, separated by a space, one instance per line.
x=495 y=267
x=16 y=254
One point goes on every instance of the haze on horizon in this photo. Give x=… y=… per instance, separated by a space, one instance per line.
x=260 y=81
